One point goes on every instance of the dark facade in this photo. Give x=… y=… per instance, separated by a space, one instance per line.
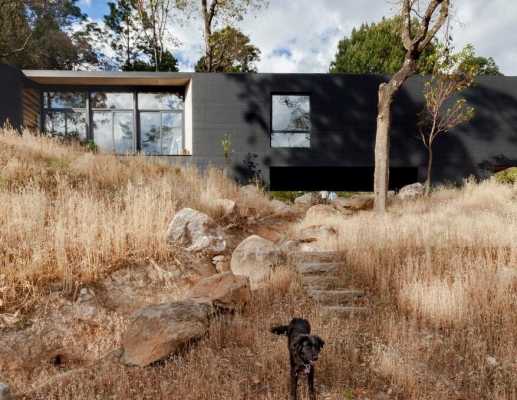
x=343 y=112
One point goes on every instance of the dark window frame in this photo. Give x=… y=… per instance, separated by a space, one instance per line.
x=271 y=128
x=135 y=90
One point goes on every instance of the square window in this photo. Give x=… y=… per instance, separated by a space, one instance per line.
x=291 y=121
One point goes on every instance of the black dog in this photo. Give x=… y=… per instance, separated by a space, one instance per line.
x=304 y=350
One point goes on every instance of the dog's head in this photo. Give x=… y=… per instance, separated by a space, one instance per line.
x=309 y=348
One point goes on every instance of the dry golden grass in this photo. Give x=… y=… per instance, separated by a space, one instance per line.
x=70 y=217
x=440 y=273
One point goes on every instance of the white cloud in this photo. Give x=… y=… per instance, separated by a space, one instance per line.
x=309 y=31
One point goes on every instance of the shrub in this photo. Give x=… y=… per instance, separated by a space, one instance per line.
x=507 y=176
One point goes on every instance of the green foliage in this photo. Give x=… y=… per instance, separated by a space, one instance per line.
x=125 y=25
x=38 y=34
x=286 y=196
x=91 y=146
x=231 y=52
x=507 y=176
x=226 y=143
x=377 y=49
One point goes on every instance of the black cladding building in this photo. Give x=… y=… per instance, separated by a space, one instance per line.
x=296 y=131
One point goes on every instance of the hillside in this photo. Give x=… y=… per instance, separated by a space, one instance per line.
x=83 y=245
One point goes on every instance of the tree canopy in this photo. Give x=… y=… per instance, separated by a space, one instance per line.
x=39 y=34
x=377 y=48
x=231 y=51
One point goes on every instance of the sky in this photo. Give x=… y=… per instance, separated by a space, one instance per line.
x=302 y=35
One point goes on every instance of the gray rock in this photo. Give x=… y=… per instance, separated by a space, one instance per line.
x=280 y=208
x=306 y=199
x=411 y=192
x=5 y=393
x=159 y=331
x=255 y=257
x=196 y=231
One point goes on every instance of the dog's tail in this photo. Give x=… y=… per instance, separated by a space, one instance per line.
x=280 y=330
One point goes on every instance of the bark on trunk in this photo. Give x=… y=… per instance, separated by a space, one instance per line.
x=207 y=19
x=387 y=92
x=429 y=166
x=382 y=159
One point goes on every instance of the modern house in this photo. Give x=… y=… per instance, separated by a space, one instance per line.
x=296 y=131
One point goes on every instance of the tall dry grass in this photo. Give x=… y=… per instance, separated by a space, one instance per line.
x=68 y=216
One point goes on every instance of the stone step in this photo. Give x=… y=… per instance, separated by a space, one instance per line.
x=319 y=267
x=321 y=282
x=335 y=297
x=316 y=256
x=342 y=311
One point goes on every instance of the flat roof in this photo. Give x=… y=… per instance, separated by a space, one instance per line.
x=115 y=78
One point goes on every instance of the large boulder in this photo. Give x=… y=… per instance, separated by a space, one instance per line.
x=357 y=202
x=280 y=208
x=161 y=330
x=226 y=291
x=411 y=192
x=196 y=231
x=317 y=238
x=255 y=258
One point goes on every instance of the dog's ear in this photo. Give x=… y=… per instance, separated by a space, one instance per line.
x=319 y=342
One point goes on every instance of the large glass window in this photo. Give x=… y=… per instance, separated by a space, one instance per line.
x=65 y=114
x=161 y=123
x=157 y=130
x=291 y=121
x=113 y=121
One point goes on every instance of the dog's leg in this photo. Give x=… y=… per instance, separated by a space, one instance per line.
x=293 y=394
x=310 y=382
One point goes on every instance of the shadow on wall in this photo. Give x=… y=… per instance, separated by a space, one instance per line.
x=343 y=116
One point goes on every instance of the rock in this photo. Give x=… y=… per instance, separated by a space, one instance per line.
x=85 y=295
x=411 y=192
x=160 y=330
x=358 y=202
x=306 y=199
x=228 y=207
x=221 y=264
x=225 y=290
x=250 y=190
x=280 y=208
x=492 y=361
x=255 y=257
x=196 y=231
x=5 y=393
x=322 y=211
x=317 y=238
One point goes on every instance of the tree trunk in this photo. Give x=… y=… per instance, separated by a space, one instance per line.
x=429 y=166
x=207 y=35
x=387 y=92
x=382 y=144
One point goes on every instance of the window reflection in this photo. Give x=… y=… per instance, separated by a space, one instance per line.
x=64 y=100
x=291 y=121
x=113 y=131
x=161 y=132
x=112 y=100
x=112 y=113
x=160 y=101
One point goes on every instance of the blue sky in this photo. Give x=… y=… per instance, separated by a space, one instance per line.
x=302 y=35
x=95 y=9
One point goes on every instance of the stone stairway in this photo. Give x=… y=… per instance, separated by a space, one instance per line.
x=321 y=274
